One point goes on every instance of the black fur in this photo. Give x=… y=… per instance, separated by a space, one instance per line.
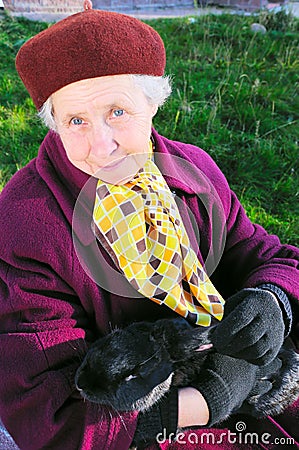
x=132 y=368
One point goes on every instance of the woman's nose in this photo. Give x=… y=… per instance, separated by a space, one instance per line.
x=101 y=141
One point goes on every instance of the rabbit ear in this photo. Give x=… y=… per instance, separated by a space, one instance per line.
x=170 y=334
x=198 y=340
x=204 y=347
x=179 y=338
x=159 y=331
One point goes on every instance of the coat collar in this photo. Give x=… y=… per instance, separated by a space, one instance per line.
x=66 y=182
x=180 y=164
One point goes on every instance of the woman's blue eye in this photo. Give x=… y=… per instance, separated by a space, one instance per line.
x=118 y=112
x=76 y=121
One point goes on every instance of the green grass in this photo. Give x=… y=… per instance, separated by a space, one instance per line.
x=235 y=95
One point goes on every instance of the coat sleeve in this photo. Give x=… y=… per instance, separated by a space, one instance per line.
x=44 y=334
x=42 y=342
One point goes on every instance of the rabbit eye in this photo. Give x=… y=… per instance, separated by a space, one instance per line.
x=131 y=377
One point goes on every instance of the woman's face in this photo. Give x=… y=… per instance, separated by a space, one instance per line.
x=105 y=126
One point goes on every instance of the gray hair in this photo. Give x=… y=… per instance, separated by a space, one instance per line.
x=156 y=90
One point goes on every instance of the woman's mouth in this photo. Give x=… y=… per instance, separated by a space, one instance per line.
x=114 y=164
x=121 y=170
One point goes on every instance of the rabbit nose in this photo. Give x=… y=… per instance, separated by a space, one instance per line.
x=79 y=380
x=78 y=386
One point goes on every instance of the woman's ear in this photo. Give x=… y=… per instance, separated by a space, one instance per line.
x=154 y=110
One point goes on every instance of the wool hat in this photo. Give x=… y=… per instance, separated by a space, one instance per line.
x=85 y=45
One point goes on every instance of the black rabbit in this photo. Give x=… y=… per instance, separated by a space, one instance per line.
x=132 y=368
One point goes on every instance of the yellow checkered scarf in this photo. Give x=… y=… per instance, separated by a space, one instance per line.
x=140 y=225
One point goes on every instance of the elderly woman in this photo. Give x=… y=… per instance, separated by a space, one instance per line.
x=113 y=223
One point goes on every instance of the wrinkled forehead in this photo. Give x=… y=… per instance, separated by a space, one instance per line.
x=99 y=93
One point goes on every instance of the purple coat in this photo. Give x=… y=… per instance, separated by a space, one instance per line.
x=51 y=308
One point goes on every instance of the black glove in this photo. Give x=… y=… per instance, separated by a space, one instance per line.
x=252 y=328
x=266 y=377
x=225 y=383
x=161 y=418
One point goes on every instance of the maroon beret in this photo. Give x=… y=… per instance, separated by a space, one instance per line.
x=89 y=44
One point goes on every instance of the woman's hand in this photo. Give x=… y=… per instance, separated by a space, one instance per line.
x=225 y=383
x=252 y=328
x=192 y=408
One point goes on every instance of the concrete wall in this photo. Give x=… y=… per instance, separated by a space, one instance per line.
x=43 y=5
x=123 y=5
x=76 y=5
x=71 y=6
